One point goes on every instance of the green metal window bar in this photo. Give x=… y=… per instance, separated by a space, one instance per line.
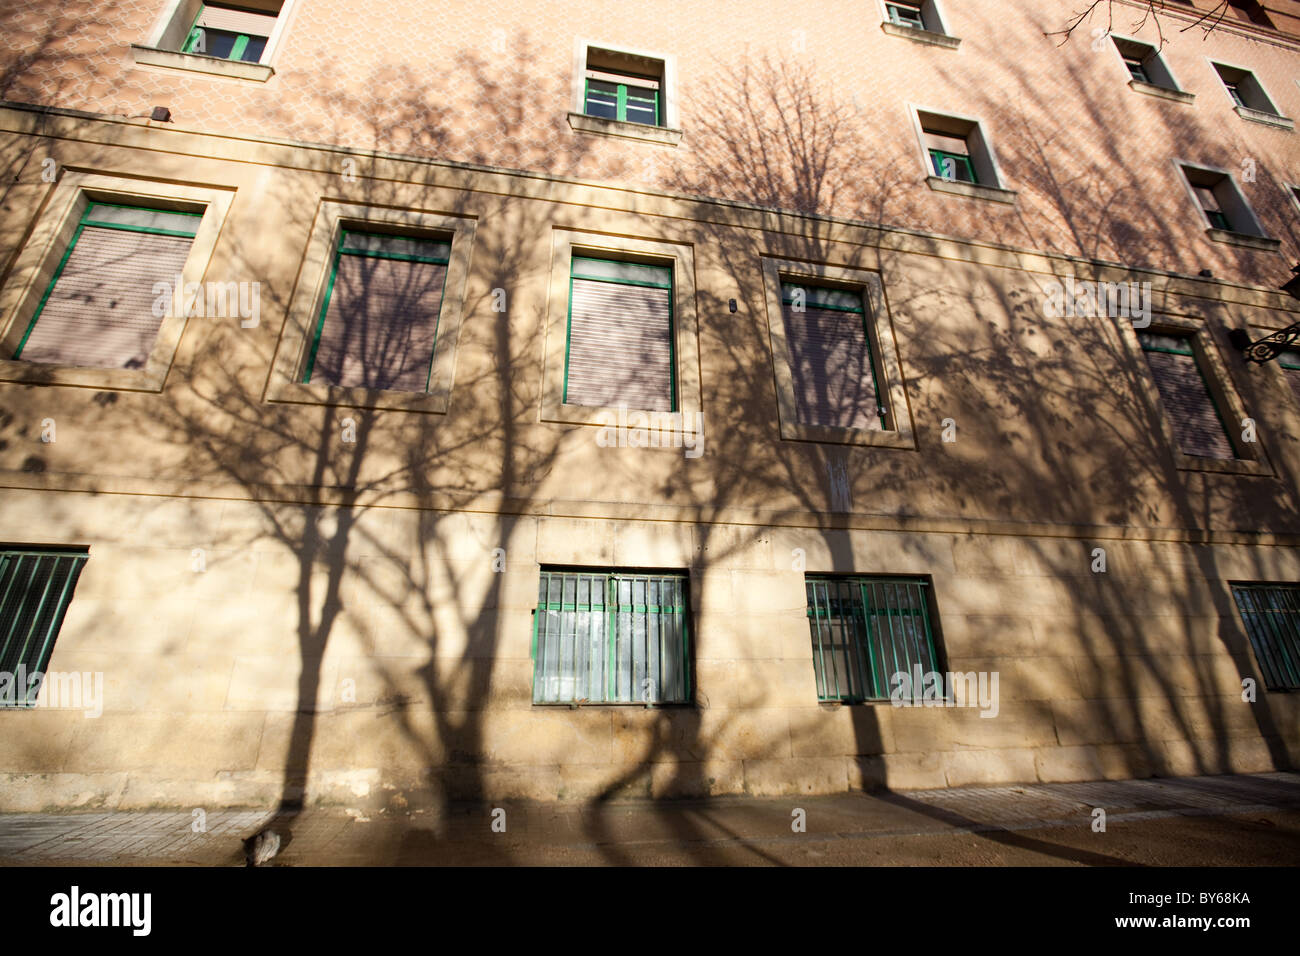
x=623 y=273
x=626 y=102
x=611 y=637
x=35 y=590
x=103 y=215
x=962 y=168
x=1271 y=613
x=865 y=630
x=373 y=246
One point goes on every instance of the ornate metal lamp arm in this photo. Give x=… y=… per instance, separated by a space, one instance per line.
x=1275 y=343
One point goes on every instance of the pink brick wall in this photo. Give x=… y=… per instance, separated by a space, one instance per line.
x=798 y=110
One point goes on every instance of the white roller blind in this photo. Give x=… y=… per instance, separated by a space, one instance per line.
x=237 y=21
x=100 y=310
x=620 y=346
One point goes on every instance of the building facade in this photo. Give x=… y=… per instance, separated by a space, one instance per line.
x=409 y=402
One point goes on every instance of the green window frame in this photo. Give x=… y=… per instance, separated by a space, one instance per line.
x=1137 y=69
x=1235 y=94
x=107 y=215
x=1208 y=200
x=1271 y=614
x=375 y=245
x=629 y=102
x=865 y=629
x=964 y=169
x=200 y=39
x=906 y=15
x=36 y=587
x=609 y=636
x=627 y=273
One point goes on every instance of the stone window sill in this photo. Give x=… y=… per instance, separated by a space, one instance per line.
x=974 y=190
x=1224 y=466
x=1151 y=89
x=197 y=63
x=1241 y=239
x=147 y=379
x=640 y=131
x=921 y=36
x=1268 y=119
x=301 y=393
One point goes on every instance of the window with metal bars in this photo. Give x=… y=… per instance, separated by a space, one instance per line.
x=99 y=309
x=378 y=324
x=35 y=590
x=611 y=637
x=1185 y=395
x=619 y=347
x=867 y=629
x=1271 y=613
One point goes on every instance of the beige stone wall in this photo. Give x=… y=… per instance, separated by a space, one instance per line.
x=205 y=687
x=330 y=562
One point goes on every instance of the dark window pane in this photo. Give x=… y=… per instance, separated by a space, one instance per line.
x=253 y=52
x=602 y=99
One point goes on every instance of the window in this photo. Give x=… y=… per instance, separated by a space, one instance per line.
x=1221 y=202
x=1210 y=206
x=917 y=20
x=619 y=348
x=98 y=310
x=235 y=40
x=838 y=376
x=1146 y=66
x=1271 y=613
x=949 y=156
x=624 y=93
x=1248 y=95
x=906 y=15
x=1250 y=11
x=375 y=316
x=865 y=630
x=835 y=379
x=1185 y=394
x=1136 y=68
x=35 y=590
x=94 y=298
x=230 y=33
x=627 y=98
x=378 y=325
x=611 y=637
x=958 y=157
x=1289 y=362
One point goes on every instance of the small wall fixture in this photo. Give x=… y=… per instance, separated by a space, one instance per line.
x=731 y=305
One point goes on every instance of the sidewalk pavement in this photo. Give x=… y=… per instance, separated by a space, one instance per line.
x=1223 y=820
